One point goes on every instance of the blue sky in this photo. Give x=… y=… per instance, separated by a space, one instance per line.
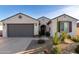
x=37 y=11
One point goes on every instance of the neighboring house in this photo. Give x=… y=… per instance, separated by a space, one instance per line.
x=21 y=25
x=64 y=23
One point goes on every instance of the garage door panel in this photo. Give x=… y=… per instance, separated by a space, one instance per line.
x=20 y=30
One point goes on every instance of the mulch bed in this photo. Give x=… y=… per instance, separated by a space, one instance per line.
x=34 y=44
x=68 y=48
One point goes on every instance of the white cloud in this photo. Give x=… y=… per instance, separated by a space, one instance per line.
x=70 y=10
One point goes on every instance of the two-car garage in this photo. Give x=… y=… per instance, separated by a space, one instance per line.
x=20 y=25
x=20 y=30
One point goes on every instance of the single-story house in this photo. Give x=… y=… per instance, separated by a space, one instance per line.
x=21 y=25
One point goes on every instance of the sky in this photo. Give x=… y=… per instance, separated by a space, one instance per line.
x=37 y=11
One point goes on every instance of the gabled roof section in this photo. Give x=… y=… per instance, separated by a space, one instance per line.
x=43 y=17
x=18 y=14
x=65 y=15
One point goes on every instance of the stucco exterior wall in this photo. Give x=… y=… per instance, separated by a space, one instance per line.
x=1 y=26
x=4 y=30
x=23 y=20
x=43 y=20
x=53 y=27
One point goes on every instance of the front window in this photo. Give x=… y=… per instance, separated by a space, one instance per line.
x=64 y=26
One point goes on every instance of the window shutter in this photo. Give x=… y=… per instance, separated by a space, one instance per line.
x=70 y=26
x=58 y=26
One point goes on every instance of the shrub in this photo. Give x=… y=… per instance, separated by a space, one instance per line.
x=47 y=34
x=69 y=36
x=78 y=38
x=57 y=50
x=40 y=34
x=75 y=39
x=41 y=41
x=63 y=36
x=56 y=40
x=77 y=49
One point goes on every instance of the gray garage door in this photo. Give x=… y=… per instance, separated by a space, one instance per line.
x=20 y=30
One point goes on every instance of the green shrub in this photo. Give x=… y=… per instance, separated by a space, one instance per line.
x=75 y=39
x=57 y=50
x=77 y=49
x=47 y=34
x=69 y=36
x=56 y=39
x=40 y=34
x=63 y=36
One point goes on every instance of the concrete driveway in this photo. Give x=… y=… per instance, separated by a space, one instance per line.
x=13 y=45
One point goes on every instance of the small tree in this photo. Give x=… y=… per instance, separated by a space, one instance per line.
x=56 y=40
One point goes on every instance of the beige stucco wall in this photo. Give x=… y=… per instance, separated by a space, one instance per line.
x=77 y=32
x=23 y=20
x=1 y=26
x=43 y=20
x=53 y=25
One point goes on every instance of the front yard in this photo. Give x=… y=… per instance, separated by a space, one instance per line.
x=64 y=44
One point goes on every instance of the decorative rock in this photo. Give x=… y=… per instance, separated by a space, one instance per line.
x=70 y=49
x=68 y=41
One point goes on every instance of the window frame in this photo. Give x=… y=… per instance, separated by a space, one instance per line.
x=64 y=27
